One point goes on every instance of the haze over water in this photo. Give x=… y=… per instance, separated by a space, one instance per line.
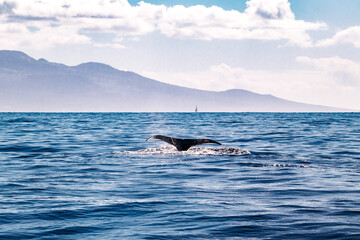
x=93 y=176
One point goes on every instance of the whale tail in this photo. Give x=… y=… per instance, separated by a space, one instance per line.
x=182 y=144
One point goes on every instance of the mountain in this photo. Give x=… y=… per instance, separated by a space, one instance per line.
x=27 y=84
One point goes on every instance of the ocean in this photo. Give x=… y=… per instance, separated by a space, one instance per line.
x=93 y=176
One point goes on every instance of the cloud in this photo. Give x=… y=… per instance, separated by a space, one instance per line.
x=343 y=71
x=313 y=83
x=331 y=64
x=6 y=7
x=13 y=35
x=262 y=20
x=350 y=35
x=275 y=9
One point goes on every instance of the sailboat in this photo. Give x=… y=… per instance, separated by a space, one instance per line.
x=196 y=110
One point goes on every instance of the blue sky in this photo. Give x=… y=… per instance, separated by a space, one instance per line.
x=301 y=50
x=228 y=5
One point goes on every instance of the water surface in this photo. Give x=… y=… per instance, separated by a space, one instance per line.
x=93 y=176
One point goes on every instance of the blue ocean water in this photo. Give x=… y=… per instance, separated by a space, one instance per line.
x=93 y=176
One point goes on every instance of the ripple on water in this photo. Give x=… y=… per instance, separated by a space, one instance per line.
x=87 y=176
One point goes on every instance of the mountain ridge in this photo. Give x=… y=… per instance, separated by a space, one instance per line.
x=39 y=85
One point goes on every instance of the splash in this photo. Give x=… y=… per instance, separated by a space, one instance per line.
x=207 y=151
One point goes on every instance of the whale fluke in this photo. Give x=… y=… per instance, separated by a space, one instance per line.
x=182 y=144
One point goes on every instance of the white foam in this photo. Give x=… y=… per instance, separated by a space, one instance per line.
x=208 y=151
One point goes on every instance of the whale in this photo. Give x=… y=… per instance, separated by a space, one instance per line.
x=182 y=144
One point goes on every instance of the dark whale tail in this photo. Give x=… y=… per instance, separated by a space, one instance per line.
x=182 y=144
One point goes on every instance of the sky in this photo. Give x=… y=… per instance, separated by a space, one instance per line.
x=301 y=50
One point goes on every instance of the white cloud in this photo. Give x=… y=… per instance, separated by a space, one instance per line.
x=14 y=35
x=263 y=20
x=329 y=81
x=275 y=9
x=344 y=71
x=332 y=64
x=350 y=35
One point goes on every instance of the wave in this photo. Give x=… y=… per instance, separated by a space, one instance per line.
x=21 y=120
x=208 y=151
x=26 y=148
